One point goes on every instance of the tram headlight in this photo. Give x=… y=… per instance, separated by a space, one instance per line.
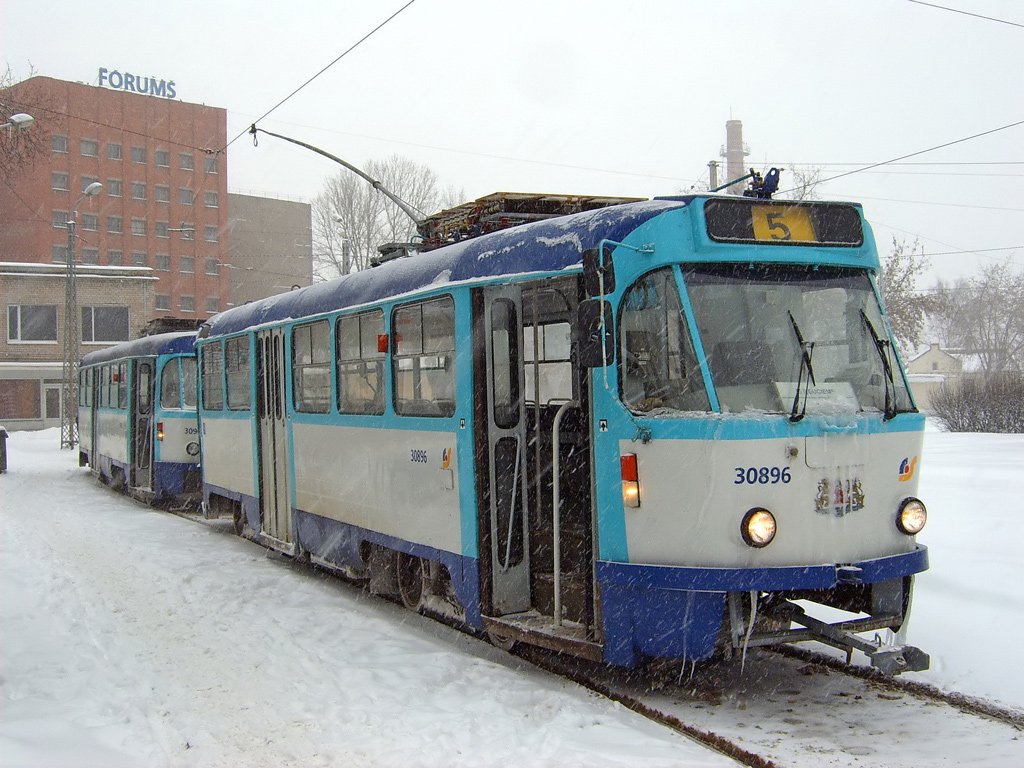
x=912 y=516
x=758 y=527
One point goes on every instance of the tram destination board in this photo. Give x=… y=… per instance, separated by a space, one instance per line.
x=783 y=223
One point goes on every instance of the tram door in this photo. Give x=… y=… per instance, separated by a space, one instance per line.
x=142 y=425
x=507 y=451
x=275 y=515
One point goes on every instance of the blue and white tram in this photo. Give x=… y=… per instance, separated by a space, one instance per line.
x=657 y=429
x=137 y=422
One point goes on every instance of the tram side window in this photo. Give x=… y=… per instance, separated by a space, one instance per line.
x=189 y=384
x=122 y=385
x=311 y=367
x=423 y=366
x=361 y=363
x=236 y=364
x=212 y=357
x=658 y=367
x=170 y=385
x=104 y=383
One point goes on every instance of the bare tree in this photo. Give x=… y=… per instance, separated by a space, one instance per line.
x=351 y=219
x=984 y=316
x=906 y=306
x=19 y=148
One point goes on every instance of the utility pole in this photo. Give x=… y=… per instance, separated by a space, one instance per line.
x=713 y=171
x=69 y=411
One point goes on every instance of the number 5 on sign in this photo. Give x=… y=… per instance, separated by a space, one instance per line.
x=774 y=222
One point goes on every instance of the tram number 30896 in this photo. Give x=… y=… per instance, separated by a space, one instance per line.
x=761 y=475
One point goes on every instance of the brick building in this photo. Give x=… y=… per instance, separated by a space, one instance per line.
x=164 y=198
x=113 y=304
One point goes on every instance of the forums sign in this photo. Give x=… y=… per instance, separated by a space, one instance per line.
x=125 y=81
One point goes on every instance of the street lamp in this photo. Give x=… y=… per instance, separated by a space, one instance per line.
x=344 y=245
x=19 y=120
x=69 y=413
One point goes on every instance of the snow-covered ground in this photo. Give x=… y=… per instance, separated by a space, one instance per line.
x=130 y=637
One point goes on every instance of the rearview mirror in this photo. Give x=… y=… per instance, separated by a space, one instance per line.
x=595 y=333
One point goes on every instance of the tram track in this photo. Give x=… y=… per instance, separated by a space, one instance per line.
x=846 y=719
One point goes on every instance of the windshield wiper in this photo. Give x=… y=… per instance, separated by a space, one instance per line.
x=882 y=346
x=806 y=352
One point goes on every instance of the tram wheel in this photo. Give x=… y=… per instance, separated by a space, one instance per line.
x=411 y=573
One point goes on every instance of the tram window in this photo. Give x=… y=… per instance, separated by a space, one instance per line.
x=548 y=371
x=104 y=378
x=424 y=360
x=657 y=364
x=170 y=385
x=212 y=357
x=188 y=382
x=236 y=366
x=311 y=369
x=361 y=363
x=505 y=363
x=122 y=385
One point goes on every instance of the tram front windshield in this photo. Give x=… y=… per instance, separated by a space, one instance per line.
x=777 y=339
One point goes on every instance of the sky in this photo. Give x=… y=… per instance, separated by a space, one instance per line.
x=594 y=97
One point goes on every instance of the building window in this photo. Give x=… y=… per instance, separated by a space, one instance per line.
x=90 y=148
x=87 y=180
x=162 y=302
x=188 y=230
x=185 y=196
x=211 y=234
x=210 y=164
x=185 y=162
x=188 y=303
x=139 y=227
x=140 y=259
x=60 y=254
x=115 y=225
x=113 y=187
x=212 y=304
x=162 y=194
x=187 y=264
x=60 y=144
x=162 y=158
x=210 y=199
x=31 y=322
x=115 y=258
x=138 y=190
x=162 y=229
x=60 y=182
x=113 y=151
x=104 y=324
x=163 y=262
x=212 y=267
x=90 y=256
x=90 y=222
x=60 y=219
x=139 y=155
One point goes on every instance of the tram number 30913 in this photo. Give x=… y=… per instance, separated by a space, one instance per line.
x=761 y=475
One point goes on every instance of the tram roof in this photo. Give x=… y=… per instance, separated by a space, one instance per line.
x=551 y=245
x=146 y=346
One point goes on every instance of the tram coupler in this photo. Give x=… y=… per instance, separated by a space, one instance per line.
x=887 y=659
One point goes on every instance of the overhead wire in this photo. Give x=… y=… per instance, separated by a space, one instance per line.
x=345 y=53
x=966 y=13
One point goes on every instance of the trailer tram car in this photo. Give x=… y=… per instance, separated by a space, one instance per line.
x=660 y=428
x=137 y=422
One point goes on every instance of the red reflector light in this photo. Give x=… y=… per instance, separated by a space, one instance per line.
x=382 y=343
x=629 y=473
